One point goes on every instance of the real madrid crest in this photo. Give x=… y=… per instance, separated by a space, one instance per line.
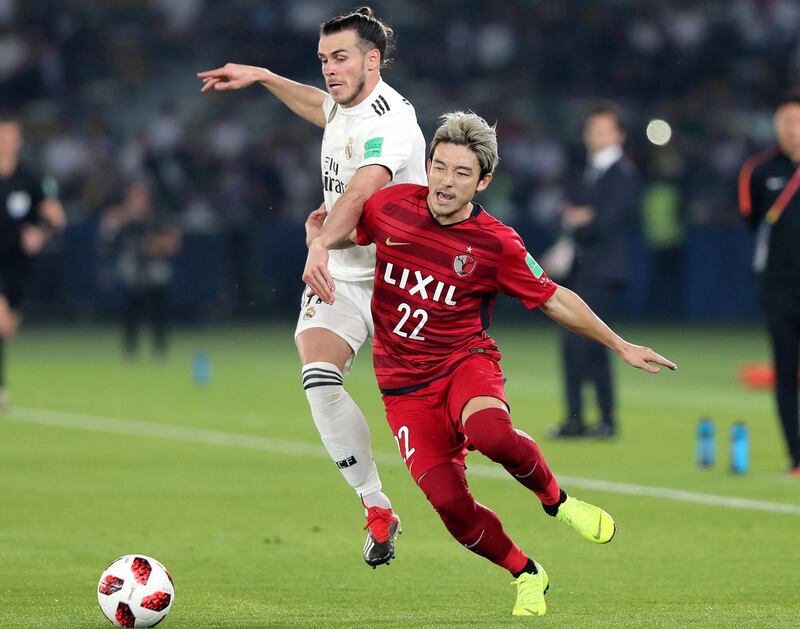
x=348 y=149
x=310 y=312
x=464 y=264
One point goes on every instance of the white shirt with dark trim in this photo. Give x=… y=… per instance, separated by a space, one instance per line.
x=381 y=130
x=606 y=158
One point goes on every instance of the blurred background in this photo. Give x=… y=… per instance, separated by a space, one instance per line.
x=209 y=461
x=108 y=96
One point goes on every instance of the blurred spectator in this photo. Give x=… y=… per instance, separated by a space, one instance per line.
x=144 y=244
x=664 y=234
x=106 y=91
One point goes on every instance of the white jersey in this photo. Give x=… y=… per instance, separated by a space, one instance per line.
x=380 y=130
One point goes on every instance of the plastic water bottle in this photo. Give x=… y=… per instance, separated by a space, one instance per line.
x=201 y=369
x=740 y=448
x=706 y=448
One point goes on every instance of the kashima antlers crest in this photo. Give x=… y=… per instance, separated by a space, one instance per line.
x=463 y=265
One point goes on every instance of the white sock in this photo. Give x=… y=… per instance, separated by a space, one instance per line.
x=376 y=499
x=342 y=427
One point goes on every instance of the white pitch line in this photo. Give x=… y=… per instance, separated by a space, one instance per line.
x=94 y=423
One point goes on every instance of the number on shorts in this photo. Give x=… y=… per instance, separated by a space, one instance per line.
x=306 y=300
x=403 y=434
x=419 y=313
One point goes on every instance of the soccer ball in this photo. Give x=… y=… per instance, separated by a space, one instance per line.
x=135 y=591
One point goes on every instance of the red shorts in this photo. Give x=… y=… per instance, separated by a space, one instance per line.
x=427 y=423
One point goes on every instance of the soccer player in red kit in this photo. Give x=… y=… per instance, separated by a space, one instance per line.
x=441 y=260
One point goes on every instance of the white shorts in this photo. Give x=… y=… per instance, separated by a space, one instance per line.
x=349 y=317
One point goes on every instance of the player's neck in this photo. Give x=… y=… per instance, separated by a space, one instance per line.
x=456 y=217
x=794 y=156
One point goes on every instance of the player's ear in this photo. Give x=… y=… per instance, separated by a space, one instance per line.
x=374 y=59
x=484 y=182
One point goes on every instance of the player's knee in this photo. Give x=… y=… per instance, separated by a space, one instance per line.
x=322 y=345
x=457 y=514
x=453 y=504
x=492 y=433
x=322 y=379
x=493 y=446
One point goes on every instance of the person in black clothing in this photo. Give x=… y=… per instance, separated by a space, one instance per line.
x=597 y=218
x=769 y=199
x=144 y=245
x=29 y=214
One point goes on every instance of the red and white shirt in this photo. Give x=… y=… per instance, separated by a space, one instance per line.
x=435 y=285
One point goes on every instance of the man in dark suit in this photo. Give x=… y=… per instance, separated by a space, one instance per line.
x=597 y=216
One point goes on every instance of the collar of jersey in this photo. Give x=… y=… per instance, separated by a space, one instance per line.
x=364 y=104
x=476 y=209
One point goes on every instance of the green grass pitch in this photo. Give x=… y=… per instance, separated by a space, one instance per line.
x=225 y=485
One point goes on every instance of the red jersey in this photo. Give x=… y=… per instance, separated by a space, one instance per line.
x=435 y=285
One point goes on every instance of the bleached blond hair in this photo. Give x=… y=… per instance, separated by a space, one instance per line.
x=470 y=130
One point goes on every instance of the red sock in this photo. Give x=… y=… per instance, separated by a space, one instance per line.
x=476 y=527
x=491 y=432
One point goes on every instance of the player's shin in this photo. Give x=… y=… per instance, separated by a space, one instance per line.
x=477 y=528
x=491 y=432
x=343 y=430
x=345 y=433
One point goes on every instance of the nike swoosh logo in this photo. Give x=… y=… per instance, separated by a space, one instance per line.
x=389 y=243
x=599 y=531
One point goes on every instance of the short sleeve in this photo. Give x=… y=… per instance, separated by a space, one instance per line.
x=328 y=106
x=367 y=220
x=521 y=276
x=387 y=142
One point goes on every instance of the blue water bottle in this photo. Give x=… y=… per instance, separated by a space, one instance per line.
x=740 y=448
x=706 y=448
x=201 y=368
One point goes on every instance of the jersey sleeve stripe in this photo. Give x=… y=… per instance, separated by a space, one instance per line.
x=745 y=175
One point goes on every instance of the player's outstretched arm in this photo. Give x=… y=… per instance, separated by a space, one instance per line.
x=304 y=100
x=569 y=310
x=342 y=220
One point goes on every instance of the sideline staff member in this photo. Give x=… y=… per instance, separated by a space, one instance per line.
x=769 y=199
x=29 y=214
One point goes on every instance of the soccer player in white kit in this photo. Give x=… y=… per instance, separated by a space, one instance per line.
x=371 y=140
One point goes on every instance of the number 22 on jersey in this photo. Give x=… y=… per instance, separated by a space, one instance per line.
x=419 y=316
